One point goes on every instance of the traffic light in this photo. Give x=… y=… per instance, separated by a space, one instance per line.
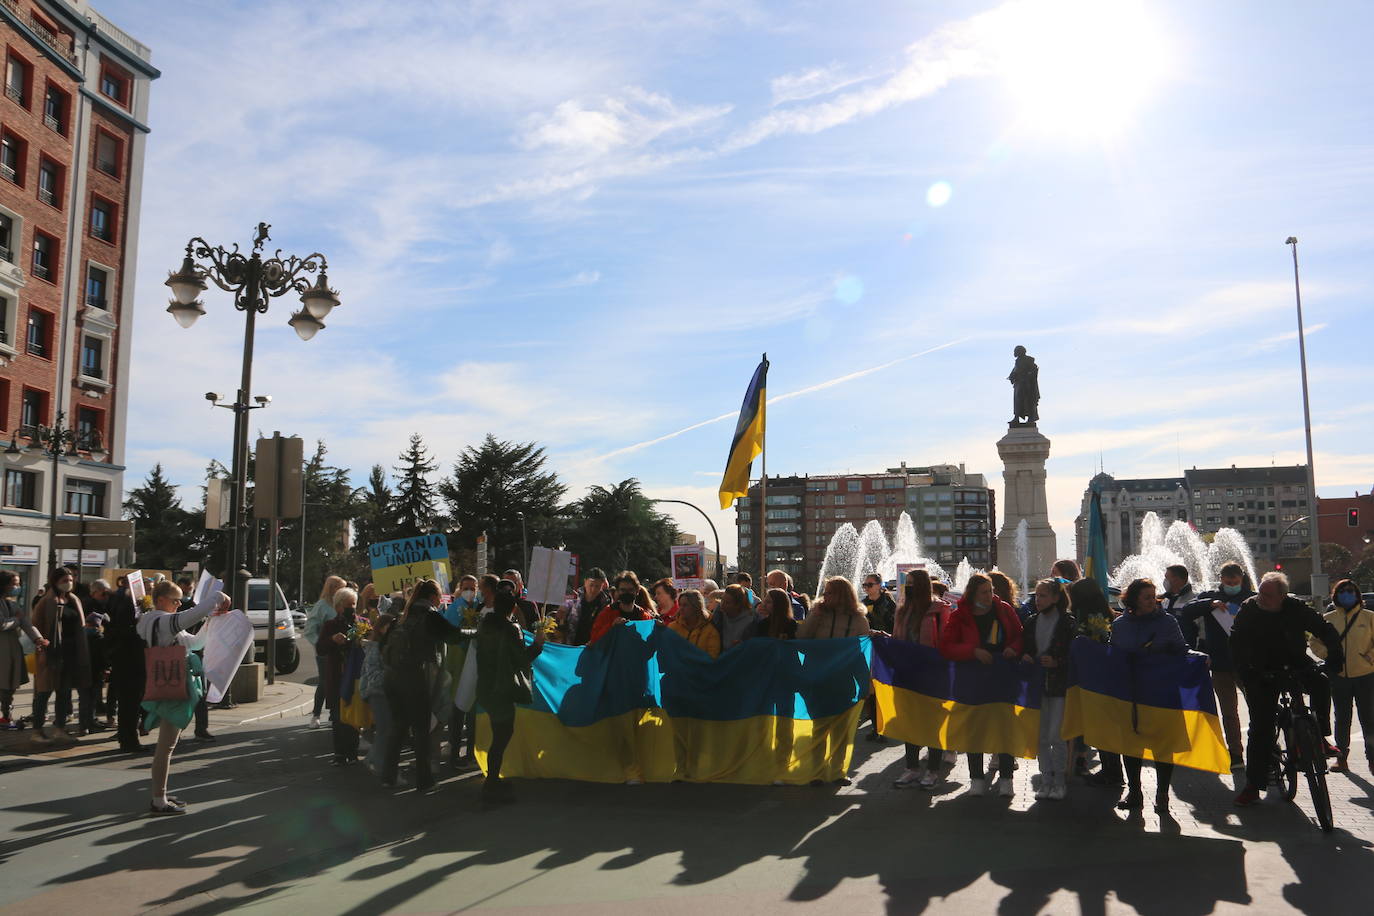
x=1352 y=518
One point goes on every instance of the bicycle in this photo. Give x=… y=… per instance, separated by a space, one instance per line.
x=1298 y=746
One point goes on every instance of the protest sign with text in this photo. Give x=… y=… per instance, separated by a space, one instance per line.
x=399 y=564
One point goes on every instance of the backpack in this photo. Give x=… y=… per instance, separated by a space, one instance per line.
x=399 y=653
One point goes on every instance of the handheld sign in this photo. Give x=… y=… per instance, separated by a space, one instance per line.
x=399 y=564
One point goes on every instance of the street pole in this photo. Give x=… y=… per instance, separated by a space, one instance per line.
x=1319 y=579
x=720 y=567
x=300 y=588
x=524 y=546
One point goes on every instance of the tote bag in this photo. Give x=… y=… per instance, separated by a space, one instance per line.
x=165 y=671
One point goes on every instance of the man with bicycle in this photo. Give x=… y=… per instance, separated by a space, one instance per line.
x=1269 y=635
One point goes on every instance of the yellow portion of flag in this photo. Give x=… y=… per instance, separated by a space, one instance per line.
x=735 y=483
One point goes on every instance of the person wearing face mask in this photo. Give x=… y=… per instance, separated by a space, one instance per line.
x=1217 y=609
x=587 y=606
x=333 y=648
x=1145 y=629
x=1048 y=633
x=981 y=628
x=463 y=612
x=13 y=621
x=1353 y=681
x=626 y=607
x=64 y=664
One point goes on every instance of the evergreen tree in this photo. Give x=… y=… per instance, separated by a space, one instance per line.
x=492 y=485
x=164 y=532
x=619 y=528
x=416 y=504
x=375 y=516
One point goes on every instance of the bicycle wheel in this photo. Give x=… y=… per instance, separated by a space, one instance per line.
x=1314 y=765
x=1286 y=761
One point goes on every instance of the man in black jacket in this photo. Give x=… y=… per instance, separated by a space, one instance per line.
x=1269 y=635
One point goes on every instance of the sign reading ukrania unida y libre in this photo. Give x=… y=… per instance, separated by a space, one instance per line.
x=399 y=564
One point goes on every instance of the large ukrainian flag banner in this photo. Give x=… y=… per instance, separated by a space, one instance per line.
x=643 y=703
x=1156 y=707
x=958 y=706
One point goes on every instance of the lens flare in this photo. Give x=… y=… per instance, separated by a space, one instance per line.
x=849 y=289
x=938 y=194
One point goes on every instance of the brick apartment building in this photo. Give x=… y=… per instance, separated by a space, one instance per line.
x=72 y=136
x=954 y=513
x=1338 y=526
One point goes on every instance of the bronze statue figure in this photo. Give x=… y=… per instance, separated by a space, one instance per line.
x=1025 y=385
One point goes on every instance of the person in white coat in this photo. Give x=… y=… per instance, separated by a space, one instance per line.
x=164 y=625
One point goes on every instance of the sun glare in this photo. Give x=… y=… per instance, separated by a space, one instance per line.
x=1081 y=67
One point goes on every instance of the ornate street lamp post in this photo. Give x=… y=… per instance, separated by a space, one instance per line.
x=57 y=442
x=254 y=281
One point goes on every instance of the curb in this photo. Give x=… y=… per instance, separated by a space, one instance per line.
x=280 y=713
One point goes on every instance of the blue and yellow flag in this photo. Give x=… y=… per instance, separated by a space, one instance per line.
x=925 y=700
x=643 y=703
x=1156 y=707
x=1095 y=556
x=748 y=441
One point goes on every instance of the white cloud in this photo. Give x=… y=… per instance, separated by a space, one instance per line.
x=630 y=120
x=811 y=83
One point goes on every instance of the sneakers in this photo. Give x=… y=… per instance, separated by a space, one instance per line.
x=978 y=787
x=931 y=779
x=1133 y=801
x=1341 y=764
x=1005 y=787
x=1247 y=797
x=314 y=721
x=908 y=779
x=1059 y=791
x=634 y=782
x=1045 y=791
x=156 y=810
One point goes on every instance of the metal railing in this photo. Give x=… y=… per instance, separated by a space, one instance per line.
x=54 y=124
x=59 y=44
x=38 y=348
x=47 y=196
x=120 y=37
x=41 y=270
x=9 y=174
x=96 y=302
x=108 y=166
x=15 y=92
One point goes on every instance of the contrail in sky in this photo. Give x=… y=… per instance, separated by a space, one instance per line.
x=820 y=386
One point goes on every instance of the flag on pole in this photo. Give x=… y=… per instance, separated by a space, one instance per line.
x=1095 y=557
x=748 y=441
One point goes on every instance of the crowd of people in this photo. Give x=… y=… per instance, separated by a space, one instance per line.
x=392 y=667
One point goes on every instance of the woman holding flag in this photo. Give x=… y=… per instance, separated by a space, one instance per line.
x=921 y=619
x=1145 y=629
x=982 y=627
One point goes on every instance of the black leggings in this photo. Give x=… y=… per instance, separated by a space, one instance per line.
x=501 y=733
x=1164 y=774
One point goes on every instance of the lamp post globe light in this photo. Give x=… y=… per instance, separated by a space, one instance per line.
x=253 y=280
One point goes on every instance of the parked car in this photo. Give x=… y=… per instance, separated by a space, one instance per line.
x=290 y=623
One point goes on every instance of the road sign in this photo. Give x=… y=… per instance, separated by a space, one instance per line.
x=73 y=526
x=218 y=508
x=482 y=555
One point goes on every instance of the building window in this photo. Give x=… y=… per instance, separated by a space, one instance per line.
x=97 y=287
x=33 y=408
x=107 y=153
x=39 y=333
x=854 y=486
x=114 y=85
x=17 y=80
x=6 y=310
x=102 y=219
x=21 y=489
x=55 y=109
x=839 y=499
x=870 y=499
x=44 y=256
x=93 y=357
x=49 y=182
x=7 y=235
x=89 y=428
x=85 y=497
x=12 y=151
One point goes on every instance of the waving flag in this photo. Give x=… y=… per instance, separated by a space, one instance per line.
x=643 y=703
x=748 y=441
x=1095 y=557
x=1156 y=707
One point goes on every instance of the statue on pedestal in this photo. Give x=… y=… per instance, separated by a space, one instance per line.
x=1025 y=385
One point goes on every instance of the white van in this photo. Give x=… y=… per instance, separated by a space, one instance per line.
x=289 y=625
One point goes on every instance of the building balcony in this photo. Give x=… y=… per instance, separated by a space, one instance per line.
x=59 y=44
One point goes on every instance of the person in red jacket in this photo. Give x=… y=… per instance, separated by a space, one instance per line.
x=624 y=607
x=981 y=628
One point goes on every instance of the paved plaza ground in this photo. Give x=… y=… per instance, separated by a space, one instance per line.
x=274 y=829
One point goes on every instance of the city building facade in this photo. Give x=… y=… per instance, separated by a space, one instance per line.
x=72 y=138
x=1348 y=521
x=1267 y=505
x=954 y=513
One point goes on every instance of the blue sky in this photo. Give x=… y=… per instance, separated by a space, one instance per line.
x=581 y=222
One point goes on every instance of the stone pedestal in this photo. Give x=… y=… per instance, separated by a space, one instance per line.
x=247 y=683
x=1024 y=453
